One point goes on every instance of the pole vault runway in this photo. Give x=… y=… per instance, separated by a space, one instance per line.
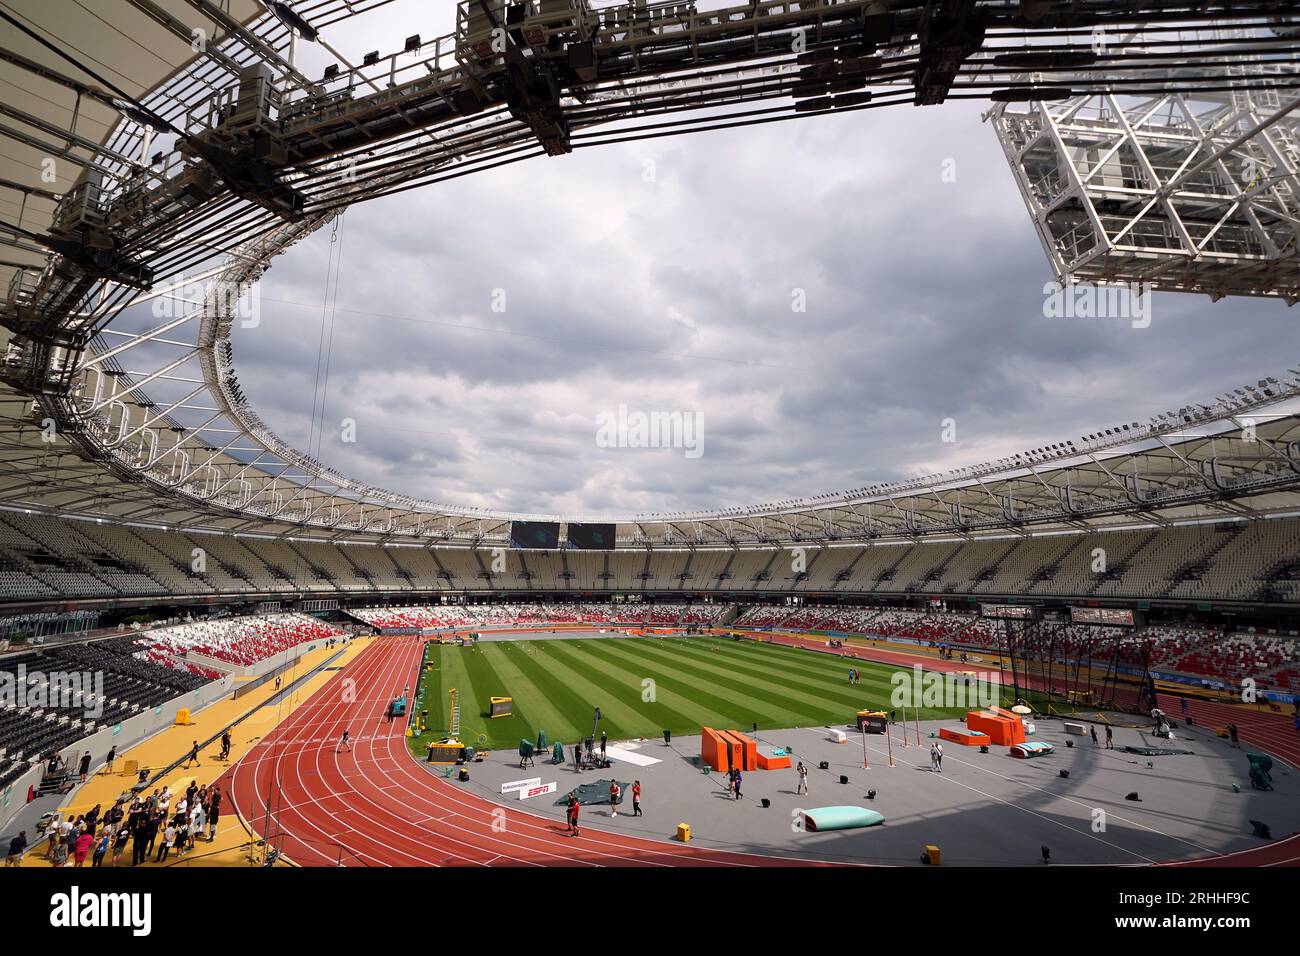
x=376 y=805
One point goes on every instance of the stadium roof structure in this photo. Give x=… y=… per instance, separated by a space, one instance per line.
x=160 y=153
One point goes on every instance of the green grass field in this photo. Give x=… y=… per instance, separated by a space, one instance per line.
x=696 y=681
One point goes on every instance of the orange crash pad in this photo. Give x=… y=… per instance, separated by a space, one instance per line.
x=967 y=738
x=1004 y=731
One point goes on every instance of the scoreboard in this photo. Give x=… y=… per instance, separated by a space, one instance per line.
x=544 y=535
x=591 y=537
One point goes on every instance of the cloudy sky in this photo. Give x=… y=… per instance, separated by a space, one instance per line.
x=661 y=275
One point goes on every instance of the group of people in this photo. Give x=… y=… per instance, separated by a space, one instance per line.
x=162 y=820
x=57 y=767
x=733 y=782
x=1110 y=736
x=615 y=797
x=584 y=753
x=855 y=676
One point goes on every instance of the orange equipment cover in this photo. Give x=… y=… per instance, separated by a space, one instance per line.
x=1001 y=731
x=971 y=739
x=772 y=763
x=724 y=749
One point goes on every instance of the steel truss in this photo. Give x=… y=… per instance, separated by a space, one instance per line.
x=102 y=414
x=1184 y=191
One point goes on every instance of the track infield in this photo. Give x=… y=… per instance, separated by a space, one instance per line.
x=643 y=686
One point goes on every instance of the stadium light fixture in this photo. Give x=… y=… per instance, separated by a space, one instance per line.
x=293 y=21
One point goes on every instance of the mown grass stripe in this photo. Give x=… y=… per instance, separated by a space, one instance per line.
x=473 y=710
x=674 y=712
x=743 y=703
x=455 y=675
x=699 y=682
x=590 y=689
x=558 y=686
x=428 y=696
x=509 y=659
x=683 y=712
x=821 y=690
x=876 y=676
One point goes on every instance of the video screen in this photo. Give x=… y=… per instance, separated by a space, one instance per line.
x=591 y=537
x=544 y=535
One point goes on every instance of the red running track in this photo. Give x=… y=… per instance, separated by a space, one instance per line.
x=376 y=805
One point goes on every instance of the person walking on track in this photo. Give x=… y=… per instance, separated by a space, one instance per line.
x=343 y=741
x=573 y=814
x=934 y=757
x=636 y=798
x=193 y=758
x=802 y=771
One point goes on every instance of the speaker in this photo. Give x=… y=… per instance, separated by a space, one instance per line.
x=1069 y=743
x=844 y=778
x=1065 y=773
x=871 y=794
x=463 y=775
x=765 y=802
x=824 y=765
x=1133 y=796
x=984 y=748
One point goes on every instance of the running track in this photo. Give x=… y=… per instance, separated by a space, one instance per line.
x=376 y=805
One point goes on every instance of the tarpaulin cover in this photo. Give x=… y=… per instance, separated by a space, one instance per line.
x=1154 y=751
x=594 y=794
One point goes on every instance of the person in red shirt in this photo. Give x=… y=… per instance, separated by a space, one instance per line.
x=82 y=847
x=573 y=814
x=636 y=798
x=613 y=798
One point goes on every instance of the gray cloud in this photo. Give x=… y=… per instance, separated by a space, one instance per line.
x=924 y=301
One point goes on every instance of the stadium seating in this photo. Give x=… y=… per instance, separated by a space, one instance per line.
x=238 y=641
x=30 y=731
x=43 y=558
x=486 y=615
